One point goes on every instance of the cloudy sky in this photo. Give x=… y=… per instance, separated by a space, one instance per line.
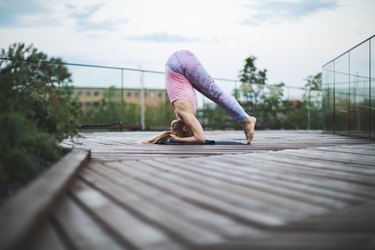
x=291 y=38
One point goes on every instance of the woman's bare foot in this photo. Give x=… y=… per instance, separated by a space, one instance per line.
x=248 y=127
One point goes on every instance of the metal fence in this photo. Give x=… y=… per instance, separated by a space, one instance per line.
x=92 y=76
x=349 y=92
x=143 y=80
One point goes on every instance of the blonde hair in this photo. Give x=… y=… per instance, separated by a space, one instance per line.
x=176 y=128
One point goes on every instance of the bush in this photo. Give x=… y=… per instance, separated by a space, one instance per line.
x=38 y=87
x=37 y=110
x=22 y=148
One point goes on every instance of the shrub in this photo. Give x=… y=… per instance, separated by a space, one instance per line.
x=38 y=87
x=37 y=110
x=22 y=148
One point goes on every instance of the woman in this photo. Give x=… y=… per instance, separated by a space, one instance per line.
x=183 y=74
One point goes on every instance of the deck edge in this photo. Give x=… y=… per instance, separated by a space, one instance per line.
x=23 y=212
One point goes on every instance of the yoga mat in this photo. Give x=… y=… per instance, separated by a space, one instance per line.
x=207 y=142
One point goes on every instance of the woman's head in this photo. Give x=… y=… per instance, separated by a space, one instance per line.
x=180 y=129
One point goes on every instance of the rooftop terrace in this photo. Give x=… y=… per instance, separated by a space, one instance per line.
x=288 y=190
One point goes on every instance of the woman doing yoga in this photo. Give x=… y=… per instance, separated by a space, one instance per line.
x=183 y=74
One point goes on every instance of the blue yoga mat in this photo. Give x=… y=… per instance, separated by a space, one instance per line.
x=207 y=142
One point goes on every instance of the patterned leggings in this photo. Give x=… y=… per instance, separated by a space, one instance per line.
x=187 y=64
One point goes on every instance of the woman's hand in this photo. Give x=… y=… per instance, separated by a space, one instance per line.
x=174 y=137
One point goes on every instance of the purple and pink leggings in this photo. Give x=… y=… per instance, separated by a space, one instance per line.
x=186 y=63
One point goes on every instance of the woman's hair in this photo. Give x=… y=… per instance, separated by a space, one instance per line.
x=176 y=128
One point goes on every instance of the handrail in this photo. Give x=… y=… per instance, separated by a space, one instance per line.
x=143 y=71
x=349 y=50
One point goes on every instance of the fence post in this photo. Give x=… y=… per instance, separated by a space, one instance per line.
x=122 y=99
x=142 y=101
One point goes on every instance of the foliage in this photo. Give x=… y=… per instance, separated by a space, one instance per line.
x=263 y=100
x=159 y=117
x=37 y=110
x=252 y=83
x=23 y=148
x=39 y=88
x=294 y=112
x=268 y=104
x=312 y=100
x=218 y=119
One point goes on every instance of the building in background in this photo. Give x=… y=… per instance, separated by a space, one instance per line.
x=92 y=97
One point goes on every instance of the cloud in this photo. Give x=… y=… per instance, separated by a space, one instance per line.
x=86 y=18
x=164 y=38
x=275 y=11
x=21 y=13
x=31 y=13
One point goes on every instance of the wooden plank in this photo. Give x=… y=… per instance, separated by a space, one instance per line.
x=22 y=213
x=314 y=178
x=271 y=185
x=297 y=166
x=46 y=238
x=335 y=157
x=351 y=228
x=289 y=173
x=81 y=229
x=248 y=210
x=200 y=217
x=349 y=150
x=318 y=161
x=350 y=171
x=166 y=151
x=239 y=194
x=301 y=241
x=352 y=219
x=120 y=222
x=182 y=230
x=261 y=177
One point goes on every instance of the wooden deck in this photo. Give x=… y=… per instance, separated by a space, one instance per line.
x=288 y=190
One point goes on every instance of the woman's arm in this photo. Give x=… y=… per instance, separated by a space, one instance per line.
x=196 y=129
x=185 y=111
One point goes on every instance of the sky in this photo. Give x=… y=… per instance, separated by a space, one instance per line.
x=292 y=39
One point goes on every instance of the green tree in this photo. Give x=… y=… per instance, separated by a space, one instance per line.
x=314 y=82
x=252 y=83
x=37 y=110
x=253 y=90
x=216 y=118
x=312 y=99
x=293 y=115
x=271 y=107
x=267 y=102
x=39 y=88
x=262 y=100
x=159 y=117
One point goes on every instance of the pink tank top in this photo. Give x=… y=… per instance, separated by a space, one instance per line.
x=179 y=87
